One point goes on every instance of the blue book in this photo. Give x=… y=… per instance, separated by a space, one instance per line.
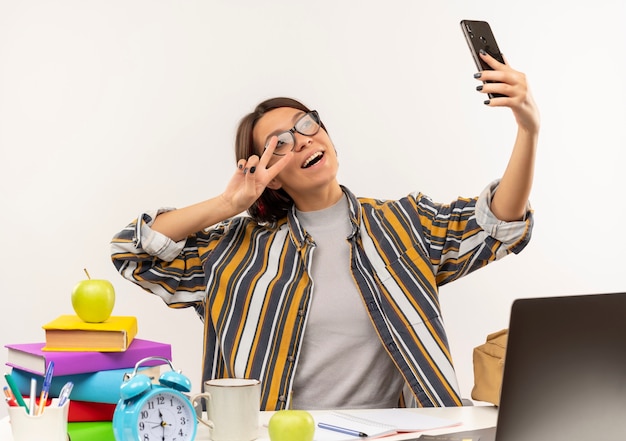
x=98 y=387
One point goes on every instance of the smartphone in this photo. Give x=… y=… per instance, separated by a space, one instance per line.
x=479 y=36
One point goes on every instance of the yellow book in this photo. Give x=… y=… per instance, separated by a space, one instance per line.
x=71 y=333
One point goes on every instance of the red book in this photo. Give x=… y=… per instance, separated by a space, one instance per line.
x=31 y=358
x=83 y=411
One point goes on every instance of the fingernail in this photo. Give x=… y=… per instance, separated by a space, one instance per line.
x=479 y=88
x=252 y=170
x=245 y=170
x=487 y=102
x=482 y=52
x=240 y=166
x=477 y=75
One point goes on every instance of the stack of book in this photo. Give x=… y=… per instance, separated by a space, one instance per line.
x=93 y=356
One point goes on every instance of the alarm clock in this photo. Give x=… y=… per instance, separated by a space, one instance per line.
x=148 y=411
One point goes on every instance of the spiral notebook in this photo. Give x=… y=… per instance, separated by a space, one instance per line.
x=375 y=423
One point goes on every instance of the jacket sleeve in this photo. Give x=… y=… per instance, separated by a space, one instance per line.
x=513 y=235
x=171 y=270
x=465 y=235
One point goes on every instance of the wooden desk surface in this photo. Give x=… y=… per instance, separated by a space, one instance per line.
x=471 y=417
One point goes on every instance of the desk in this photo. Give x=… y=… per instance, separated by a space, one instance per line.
x=471 y=417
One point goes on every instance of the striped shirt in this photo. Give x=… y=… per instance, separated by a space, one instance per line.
x=251 y=284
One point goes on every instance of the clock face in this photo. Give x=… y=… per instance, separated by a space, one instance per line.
x=166 y=416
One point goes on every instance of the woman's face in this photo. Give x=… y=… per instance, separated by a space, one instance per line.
x=313 y=166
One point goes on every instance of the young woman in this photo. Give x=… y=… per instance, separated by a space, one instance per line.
x=331 y=300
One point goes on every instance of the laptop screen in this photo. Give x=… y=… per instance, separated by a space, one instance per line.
x=565 y=370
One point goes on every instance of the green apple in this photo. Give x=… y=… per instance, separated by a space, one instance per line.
x=93 y=299
x=291 y=425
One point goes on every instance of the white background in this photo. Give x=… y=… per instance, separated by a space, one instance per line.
x=108 y=108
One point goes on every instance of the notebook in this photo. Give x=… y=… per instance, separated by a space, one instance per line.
x=565 y=370
x=373 y=423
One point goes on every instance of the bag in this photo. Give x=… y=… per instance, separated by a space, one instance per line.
x=488 y=367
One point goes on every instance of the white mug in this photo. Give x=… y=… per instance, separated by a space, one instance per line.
x=233 y=408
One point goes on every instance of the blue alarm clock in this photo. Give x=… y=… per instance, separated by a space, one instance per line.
x=148 y=411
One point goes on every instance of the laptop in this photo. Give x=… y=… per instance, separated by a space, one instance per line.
x=565 y=370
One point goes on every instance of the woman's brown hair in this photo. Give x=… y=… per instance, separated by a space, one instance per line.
x=272 y=205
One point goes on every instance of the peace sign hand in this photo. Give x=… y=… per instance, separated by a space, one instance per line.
x=252 y=176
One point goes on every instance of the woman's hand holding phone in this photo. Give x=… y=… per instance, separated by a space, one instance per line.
x=512 y=89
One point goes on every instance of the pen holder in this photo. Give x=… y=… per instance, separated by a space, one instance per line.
x=51 y=425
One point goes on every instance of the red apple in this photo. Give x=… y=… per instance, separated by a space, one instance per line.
x=93 y=300
x=291 y=425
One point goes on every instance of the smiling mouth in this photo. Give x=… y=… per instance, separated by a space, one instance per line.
x=313 y=159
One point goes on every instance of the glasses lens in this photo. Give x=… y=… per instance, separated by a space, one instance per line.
x=308 y=124
x=284 y=144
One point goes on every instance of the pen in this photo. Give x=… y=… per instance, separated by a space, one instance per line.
x=65 y=393
x=32 y=399
x=341 y=430
x=7 y=392
x=16 y=392
x=46 y=388
x=9 y=397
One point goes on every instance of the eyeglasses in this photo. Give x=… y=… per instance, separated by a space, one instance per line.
x=307 y=125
